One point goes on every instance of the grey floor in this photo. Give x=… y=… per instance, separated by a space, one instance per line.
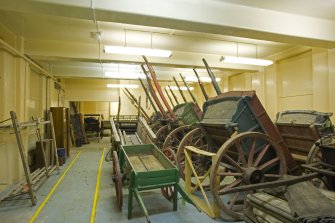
x=72 y=201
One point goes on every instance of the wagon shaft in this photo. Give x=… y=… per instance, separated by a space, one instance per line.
x=201 y=85
x=158 y=88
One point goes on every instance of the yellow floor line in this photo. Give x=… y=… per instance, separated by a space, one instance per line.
x=53 y=190
x=96 y=194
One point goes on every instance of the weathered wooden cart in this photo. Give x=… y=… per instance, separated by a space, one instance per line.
x=175 y=121
x=303 y=131
x=323 y=162
x=147 y=168
x=235 y=150
x=136 y=158
x=302 y=202
x=188 y=113
x=142 y=135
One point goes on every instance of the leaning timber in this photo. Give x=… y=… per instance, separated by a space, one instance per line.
x=181 y=92
x=188 y=89
x=201 y=85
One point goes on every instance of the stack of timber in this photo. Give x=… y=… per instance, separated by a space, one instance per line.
x=78 y=129
x=299 y=206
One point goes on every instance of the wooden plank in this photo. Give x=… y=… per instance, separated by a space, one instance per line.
x=270 y=204
x=267 y=216
x=151 y=162
x=137 y=164
x=199 y=151
x=306 y=201
x=168 y=179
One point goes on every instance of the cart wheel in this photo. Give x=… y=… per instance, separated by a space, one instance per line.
x=170 y=154
x=168 y=191
x=315 y=156
x=197 y=139
x=247 y=158
x=155 y=127
x=174 y=138
x=161 y=136
x=117 y=180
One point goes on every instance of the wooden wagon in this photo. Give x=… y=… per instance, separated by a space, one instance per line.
x=235 y=151
x=146 y=168
x=303 y=131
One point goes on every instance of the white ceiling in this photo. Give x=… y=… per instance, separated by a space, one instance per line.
x=59 y=35
x=311 y=8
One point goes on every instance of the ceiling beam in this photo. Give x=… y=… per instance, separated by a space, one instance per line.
x=89 y=52
x=215 y=17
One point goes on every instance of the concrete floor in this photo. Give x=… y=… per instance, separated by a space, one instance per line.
x=73 y=199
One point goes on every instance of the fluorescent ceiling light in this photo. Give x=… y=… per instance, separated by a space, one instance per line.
x=203 y=79
x=175 y=88
x=122 y=85
x=137 y=51
x=124 y=75
x=244 y=60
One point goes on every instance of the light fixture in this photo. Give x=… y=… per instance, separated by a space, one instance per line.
x=203 y=79
x=245 y=60
x=137 y=51
x=175 y=88
x=122 y=85
x=124 y=75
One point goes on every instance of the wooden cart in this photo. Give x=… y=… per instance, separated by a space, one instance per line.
x=235 y=150
x=147 y=168
x=303 y=131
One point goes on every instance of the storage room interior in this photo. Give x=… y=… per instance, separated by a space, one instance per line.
x=53 y=54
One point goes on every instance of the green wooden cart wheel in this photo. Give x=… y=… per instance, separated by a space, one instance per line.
x=117 y=180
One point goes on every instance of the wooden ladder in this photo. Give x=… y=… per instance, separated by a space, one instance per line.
x=33 y=180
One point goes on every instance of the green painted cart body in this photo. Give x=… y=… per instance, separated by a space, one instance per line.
x=147 y=168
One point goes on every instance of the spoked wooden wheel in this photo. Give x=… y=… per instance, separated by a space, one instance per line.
x=197 y=139
x=161 y=135
x=174 y=138
x=314 y=157
x=117 y=177
x=168 y=191
x=170 y=154
x=247 y=158
x=155 y=127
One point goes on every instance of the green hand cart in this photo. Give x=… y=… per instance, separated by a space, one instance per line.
x=147 y=168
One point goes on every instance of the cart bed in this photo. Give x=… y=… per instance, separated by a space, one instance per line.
x=148 y=162
x=240 y=111
x=301 y=129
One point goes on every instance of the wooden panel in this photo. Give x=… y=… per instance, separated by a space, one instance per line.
x=62 y=127
x=320 y=80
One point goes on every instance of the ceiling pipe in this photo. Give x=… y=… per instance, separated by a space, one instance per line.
x=16 y=53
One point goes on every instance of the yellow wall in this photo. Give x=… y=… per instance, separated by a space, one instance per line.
x=295 y=82
x=331 y=80
x=95 y=107
x=95 y=97
x=304 y=81
x=26 y=92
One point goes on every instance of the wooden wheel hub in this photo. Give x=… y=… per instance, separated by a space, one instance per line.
x=253 y=175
